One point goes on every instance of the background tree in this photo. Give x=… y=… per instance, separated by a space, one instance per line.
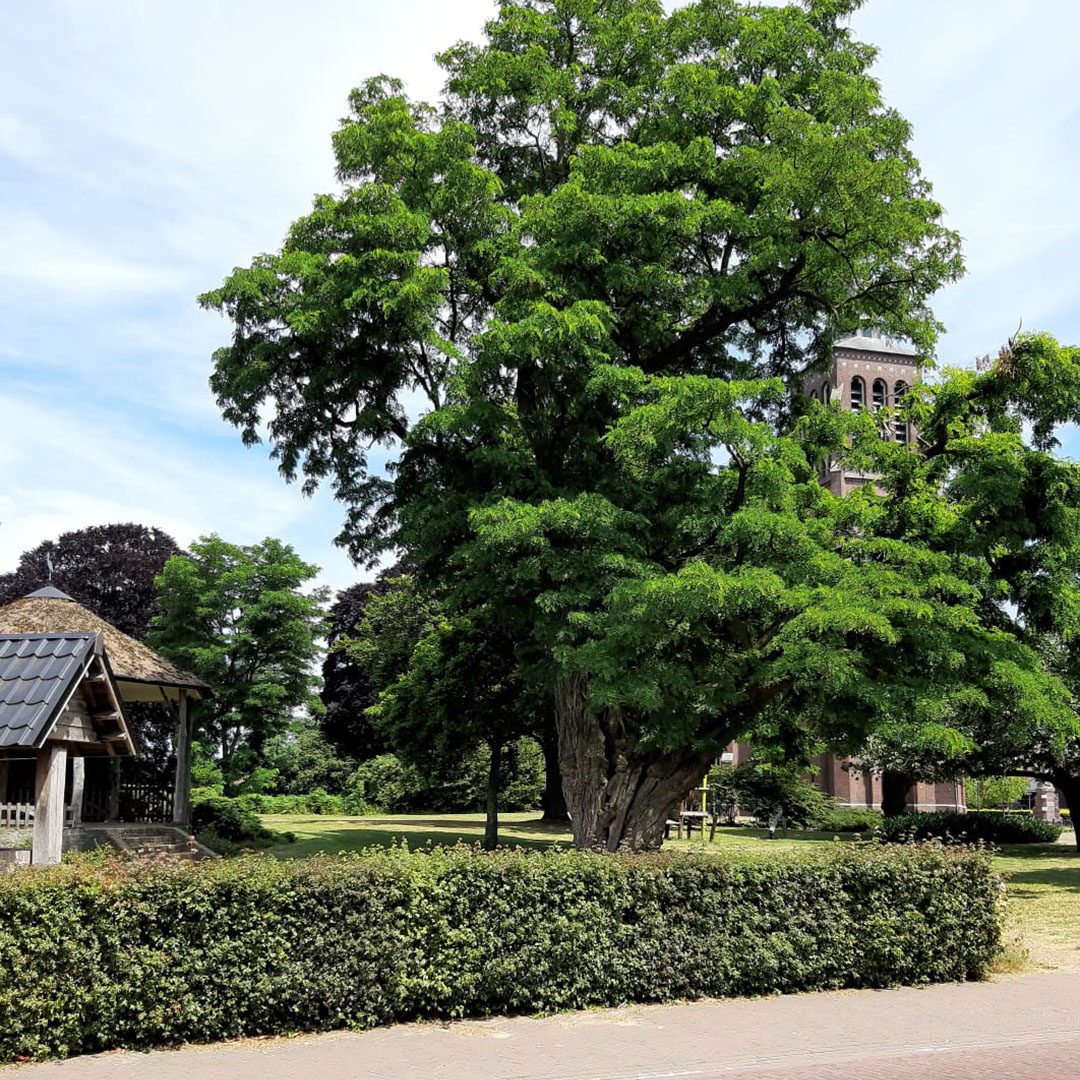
x=303 y=761
x=109 y=569
x=238 y=617
x=459 y=689
x=347 y=692
x=617 y=220
x=989 y=488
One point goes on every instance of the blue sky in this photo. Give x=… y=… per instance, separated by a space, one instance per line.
x=148 y=147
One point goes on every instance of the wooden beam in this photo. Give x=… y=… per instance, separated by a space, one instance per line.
x=182 y=787
x=113 y=811
x=48 y=842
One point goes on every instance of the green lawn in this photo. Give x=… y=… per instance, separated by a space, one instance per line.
x=1043 y=885
x=331 y=835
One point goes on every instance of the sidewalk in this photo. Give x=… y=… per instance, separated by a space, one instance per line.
x=1019 y=1027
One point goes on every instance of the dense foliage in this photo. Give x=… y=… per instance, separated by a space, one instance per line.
x=596 y=262
x=763 y=792
x=988 y=491
x=239 y=618
x=347 y=690
x=227 y=827
x=137 y=957
x=303 y=760
x=449 y=685
x=995 y=792
x=987 y=826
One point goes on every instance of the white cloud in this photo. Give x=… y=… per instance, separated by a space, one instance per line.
x=35 y=255
x=18 y=140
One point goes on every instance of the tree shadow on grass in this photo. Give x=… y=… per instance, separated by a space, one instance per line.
x=440 y=823
x=1061 y=879
x=748 y=832
x=345 y=839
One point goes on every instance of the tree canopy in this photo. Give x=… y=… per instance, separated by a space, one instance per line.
x=576 y=298
x=347 y=690
x=448 y=685
x=989 y=488
x=238 y=616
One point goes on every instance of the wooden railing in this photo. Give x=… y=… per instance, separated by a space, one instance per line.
x=141 y=801
x=20 y=815
x=16 y=815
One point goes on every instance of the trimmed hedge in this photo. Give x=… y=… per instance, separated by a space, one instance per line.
x=113 y=954
x=987 y=826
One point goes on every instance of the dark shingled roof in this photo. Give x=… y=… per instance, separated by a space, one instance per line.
x=38 y=672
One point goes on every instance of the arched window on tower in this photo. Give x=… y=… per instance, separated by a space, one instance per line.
x=900 y=426
x=881 y=394
x=858 y=393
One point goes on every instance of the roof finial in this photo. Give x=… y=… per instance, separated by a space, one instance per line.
x=48 y=563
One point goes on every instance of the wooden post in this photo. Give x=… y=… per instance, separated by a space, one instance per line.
x=3 y=779
x=182 y=788
x=78 y=784
x=48 y=844
x=113 y=812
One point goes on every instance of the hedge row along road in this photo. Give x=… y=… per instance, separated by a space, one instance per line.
x=93 y=957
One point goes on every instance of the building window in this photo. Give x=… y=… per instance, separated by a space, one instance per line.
x=881 y=394
x=900 y=426
x=858 y=393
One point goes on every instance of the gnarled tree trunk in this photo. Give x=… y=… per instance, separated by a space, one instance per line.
x=617 y=797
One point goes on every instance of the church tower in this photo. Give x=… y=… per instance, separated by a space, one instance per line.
x=868 y=372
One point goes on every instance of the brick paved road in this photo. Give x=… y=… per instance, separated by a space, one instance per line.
x=1019 y=1028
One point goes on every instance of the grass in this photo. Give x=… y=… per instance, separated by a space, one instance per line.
x=1043 y=927
x=1044 y=902
x=332 y=835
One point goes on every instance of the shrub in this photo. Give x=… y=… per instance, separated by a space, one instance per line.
x=389 y=783
x=844 y=819
x=762 y=790
x=93 y=957
x=992 y=827
x=226 y=827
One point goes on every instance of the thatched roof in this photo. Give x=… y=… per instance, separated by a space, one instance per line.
x=141 y=674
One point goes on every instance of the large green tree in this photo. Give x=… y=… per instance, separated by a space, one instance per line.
x=588 y=262
x=241 y=617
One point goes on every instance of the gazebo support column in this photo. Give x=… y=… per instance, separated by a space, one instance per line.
x=48 y=842
x=112 y=812
x=182 y=789
x=78 y=785
x=3 y=779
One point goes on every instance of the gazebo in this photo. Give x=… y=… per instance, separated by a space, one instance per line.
x=139 y=674
x=58 y=698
